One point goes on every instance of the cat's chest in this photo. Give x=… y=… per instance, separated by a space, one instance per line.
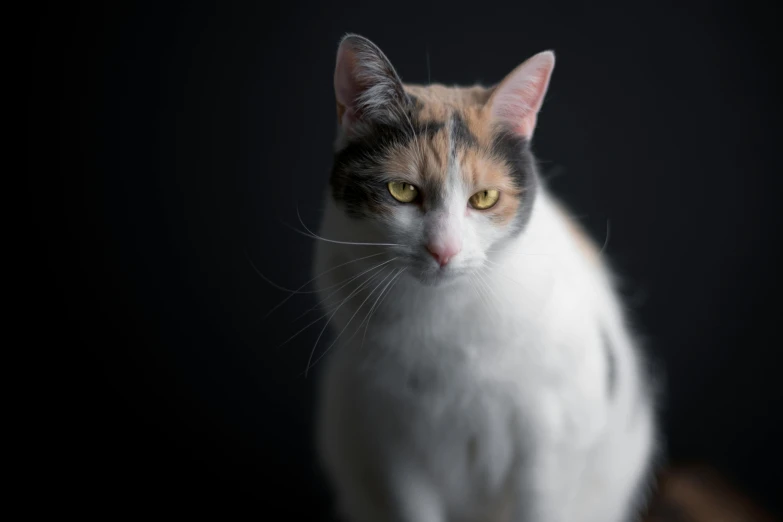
x=457 y=331
x=445 y=353
x=464 y=358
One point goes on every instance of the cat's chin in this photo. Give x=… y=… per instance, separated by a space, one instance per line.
x=437 y=277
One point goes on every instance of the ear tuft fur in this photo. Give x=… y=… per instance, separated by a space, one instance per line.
x=366 y=86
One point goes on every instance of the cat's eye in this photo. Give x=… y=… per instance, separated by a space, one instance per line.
x=484 y=199
x=403 y=192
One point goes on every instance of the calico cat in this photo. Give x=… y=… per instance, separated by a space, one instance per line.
x=482 y=368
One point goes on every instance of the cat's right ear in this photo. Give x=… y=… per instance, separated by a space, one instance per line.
x=366 y=86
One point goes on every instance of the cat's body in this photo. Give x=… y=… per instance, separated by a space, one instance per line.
x=500 y=385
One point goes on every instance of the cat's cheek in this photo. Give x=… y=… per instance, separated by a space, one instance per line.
x=403 y=218
x=407 y=224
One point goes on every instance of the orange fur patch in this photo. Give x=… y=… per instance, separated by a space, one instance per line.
x=425 y=161
x=483 y=172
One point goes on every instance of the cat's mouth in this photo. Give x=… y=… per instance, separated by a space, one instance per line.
x=429 y=272
x=430 y=275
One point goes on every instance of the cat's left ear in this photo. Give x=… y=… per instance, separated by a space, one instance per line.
x=515 y=102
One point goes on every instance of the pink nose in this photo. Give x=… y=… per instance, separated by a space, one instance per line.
x=443 y=253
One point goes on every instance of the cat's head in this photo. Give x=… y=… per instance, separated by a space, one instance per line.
x=444 y=173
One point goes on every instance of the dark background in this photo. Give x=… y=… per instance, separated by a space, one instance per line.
x=169 y=142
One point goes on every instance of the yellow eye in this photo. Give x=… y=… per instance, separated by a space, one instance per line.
x=403 y=192
x=484 y=199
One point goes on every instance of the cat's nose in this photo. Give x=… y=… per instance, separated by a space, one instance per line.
x=443 y=252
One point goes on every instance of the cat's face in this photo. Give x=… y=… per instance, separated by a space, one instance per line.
x=444 y=174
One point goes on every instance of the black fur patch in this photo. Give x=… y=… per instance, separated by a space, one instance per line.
x=357 y=178
x=516 y=152
x=460 y=133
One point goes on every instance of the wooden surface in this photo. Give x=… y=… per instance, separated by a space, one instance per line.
x=698 y=494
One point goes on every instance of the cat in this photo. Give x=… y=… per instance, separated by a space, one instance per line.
x=482 y=367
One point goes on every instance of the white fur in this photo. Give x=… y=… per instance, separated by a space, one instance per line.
x=480 y=399
x=474 y=392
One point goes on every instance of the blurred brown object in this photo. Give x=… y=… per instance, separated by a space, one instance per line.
x=699 y=494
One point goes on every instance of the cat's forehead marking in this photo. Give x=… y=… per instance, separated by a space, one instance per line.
x=436 y=157
x=461 y=134
x=448 y=147
x=463 y=150
x=460 y=108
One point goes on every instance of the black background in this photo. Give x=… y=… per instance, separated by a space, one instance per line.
x=169 y=143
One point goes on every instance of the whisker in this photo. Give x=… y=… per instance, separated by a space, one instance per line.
x=378 y=301
x=299 y=290
x=490 y=291
x=351 y=319
x=322 y=301
x=481 y=283
x=496 y=266
x=482 y=287
x=606 y=241
x=262 y=276
x=491 y=304
x=484 y=297
x=300 y=331
x=519 y=253
x=312 y=352
x=313 y=235
x=384 y=298
x=475 y=288
x=364 y=283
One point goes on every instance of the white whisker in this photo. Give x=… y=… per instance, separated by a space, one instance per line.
x=301 y=330
x=351 y=319
x=474 y=285
x=482 y=288
x=496 y=266
x=606 y=241
x=345 y=283
x=362 y=285
x=377 y=304
x=313 y=235
x=490 y=291
x=354 y=292
x=299 y=290
x=519 y=253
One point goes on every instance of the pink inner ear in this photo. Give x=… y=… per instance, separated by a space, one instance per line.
x=518 y=98
x=346 y=85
